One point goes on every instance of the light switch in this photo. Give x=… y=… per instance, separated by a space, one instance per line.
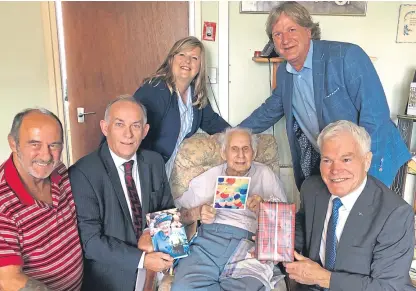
x=212 y=74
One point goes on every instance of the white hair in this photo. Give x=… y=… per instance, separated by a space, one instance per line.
x=225 y=137
x=359 y=133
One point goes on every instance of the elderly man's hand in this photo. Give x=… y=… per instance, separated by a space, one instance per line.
x=208 y=214
x=253 y=203
x=157 y=261
x=308 y=272
x=145 y=242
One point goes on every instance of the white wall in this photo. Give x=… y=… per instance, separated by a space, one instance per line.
x=209 y=13
x=23 y=66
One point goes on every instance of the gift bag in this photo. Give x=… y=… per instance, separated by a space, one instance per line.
x=275 y=240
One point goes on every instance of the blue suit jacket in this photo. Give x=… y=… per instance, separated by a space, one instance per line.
x=346 y=87
x=164 y=119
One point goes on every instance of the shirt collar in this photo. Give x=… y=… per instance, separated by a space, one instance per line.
x=119 y=161
x=250 y=172
x=307 y=64
x=12 y=178
x=188 y=103
x=349 y=200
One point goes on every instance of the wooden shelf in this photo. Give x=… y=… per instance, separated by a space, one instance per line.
x=409 y=117
x=266 y=60
x=276 y=62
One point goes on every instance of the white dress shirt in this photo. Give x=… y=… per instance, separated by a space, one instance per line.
x=186 y=117
x=348 y=202
x=118 y=161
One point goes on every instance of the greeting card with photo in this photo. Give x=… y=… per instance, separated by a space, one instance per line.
x=167 y=232
x=231 y=192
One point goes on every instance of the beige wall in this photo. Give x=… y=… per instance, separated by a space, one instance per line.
x=209 y=12
x=23 y=69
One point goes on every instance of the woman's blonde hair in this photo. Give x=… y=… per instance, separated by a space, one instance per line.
x=164 y=73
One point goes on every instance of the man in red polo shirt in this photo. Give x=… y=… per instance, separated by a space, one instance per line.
x=39 y=244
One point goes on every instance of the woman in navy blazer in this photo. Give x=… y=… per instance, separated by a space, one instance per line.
x=178 y=84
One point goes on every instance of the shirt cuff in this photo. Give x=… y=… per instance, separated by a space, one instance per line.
x=141 y=262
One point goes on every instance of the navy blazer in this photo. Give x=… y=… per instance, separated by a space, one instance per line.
x=346 y=87
x=164 y=119
x=375 y=249
x=111 y=256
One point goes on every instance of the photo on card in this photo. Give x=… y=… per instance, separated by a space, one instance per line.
x=167 y=232
x=231 y=192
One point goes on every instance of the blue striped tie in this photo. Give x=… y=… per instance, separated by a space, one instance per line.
x=331 y=238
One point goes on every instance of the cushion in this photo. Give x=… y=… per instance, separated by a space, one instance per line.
x=201 y=152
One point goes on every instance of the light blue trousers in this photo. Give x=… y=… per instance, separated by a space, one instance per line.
x=210 y=252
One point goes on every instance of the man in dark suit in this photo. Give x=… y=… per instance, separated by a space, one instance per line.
x=114 y=188
x=354 y=233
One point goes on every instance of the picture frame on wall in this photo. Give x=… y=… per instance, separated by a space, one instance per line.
x=346 y=8
x=406 y=24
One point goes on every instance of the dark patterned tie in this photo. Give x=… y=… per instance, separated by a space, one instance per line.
x=309 y=157
x=331 y=238
x=136 y=207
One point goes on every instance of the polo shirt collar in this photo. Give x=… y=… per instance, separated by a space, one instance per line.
x=15 y=183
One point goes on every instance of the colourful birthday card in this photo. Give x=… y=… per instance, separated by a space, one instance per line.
x=231 y=192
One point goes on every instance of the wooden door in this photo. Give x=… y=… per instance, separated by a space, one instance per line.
x=110 y=47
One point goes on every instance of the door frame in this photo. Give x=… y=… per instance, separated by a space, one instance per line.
x=53 y=61
x=50 y=31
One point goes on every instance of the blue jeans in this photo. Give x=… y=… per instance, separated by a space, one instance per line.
x=210 y=252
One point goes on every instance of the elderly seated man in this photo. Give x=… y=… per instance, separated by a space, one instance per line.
x=225 y=234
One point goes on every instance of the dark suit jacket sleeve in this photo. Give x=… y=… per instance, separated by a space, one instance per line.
x=270 y=111
x=366 y=91
x=167 y=199
x=94 y=241
x=300 y=224
x=156 y=100
x=392 y=256
x=211 y=121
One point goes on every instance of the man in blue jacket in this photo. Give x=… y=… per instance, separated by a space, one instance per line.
x=322 y=82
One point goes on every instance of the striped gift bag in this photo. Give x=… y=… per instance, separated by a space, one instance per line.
x=275 y=240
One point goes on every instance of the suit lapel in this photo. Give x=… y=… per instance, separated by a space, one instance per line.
x=318 y=72
x=115 y=181
x=145 y=184
x=360 y=214
x=320 y=210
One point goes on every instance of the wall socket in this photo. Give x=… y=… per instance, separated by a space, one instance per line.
x=212 y=74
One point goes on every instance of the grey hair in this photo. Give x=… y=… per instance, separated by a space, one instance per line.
x=224 y=138
x=359 y=133
x=125 y=98
x=18 y=119
x=297 y=13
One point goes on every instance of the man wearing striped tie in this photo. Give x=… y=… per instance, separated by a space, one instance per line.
x=354 y=233
x=114 y=188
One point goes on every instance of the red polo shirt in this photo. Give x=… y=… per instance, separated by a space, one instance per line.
x=42 y=238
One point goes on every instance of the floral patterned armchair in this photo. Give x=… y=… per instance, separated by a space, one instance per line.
x=201 y=152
